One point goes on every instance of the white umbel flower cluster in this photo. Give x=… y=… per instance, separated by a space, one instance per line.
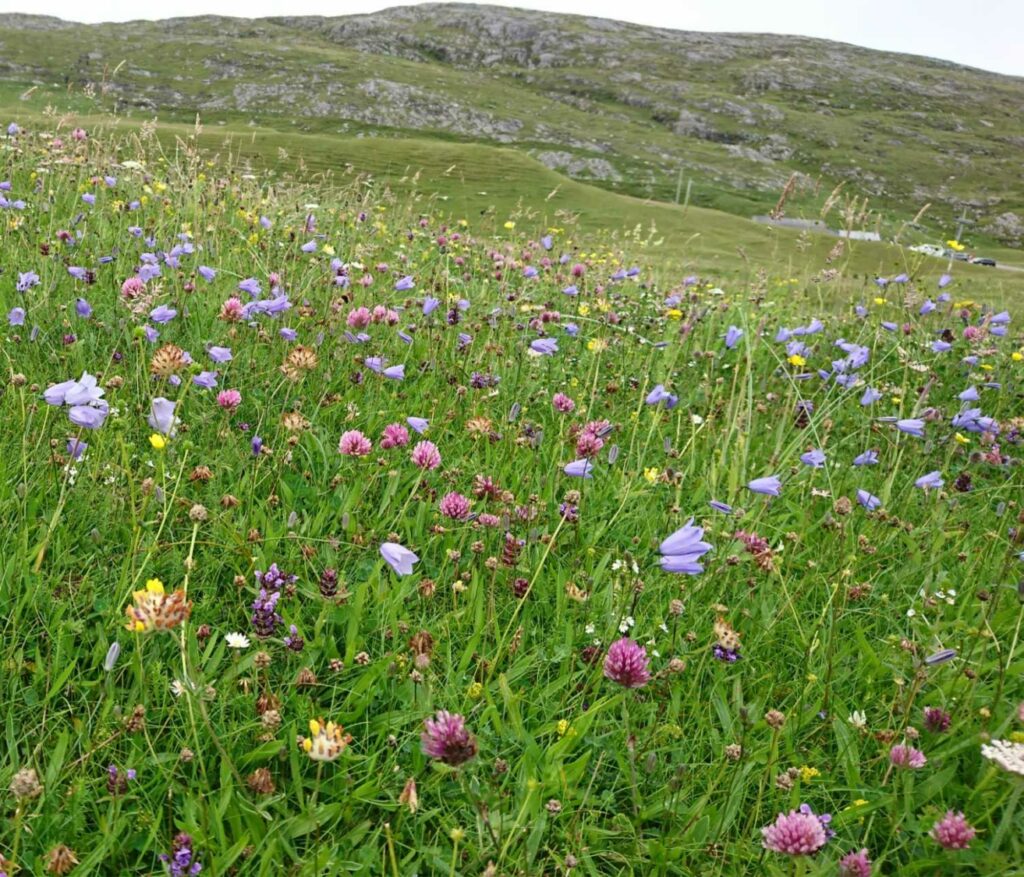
x=1008 y=755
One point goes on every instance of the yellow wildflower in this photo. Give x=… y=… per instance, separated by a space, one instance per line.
x=158 y=441
x=651 y=475
x=962 y=439
x=327 y=743
x=155 y=609
x=808 y=773
x=509 y=225
x=583 y=310
x=797 y=360
x=562 y=727
x=674 y=314
x=955 y=245
x=596 y=345
x=1017 y=356
x=879 y=301
x=475 y=691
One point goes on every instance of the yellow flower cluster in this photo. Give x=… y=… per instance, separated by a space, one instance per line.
x=155 y=609
x=327 y=742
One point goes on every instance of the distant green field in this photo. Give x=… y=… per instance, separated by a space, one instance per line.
x=490 y=185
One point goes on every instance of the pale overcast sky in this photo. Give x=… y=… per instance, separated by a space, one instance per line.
x=982 y=33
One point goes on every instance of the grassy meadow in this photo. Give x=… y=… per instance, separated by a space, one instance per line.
x=357 y=522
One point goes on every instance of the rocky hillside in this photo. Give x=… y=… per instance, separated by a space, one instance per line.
x=636 y=109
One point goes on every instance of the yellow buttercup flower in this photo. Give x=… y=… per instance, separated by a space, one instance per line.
x=962 y=439
x=797 y=360
x=1017 y=356
x=879 y=301
x=583 y=310
x=158 y=441
x=674 y=314
x=651 y=475
x=509 y=225
x=596 y=345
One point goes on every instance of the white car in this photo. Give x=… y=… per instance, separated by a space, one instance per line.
x=928 y=250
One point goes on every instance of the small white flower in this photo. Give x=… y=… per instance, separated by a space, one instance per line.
x=696 y=419
x=589 y=630
x=911 y=612
x=237 y=641
x=177 y=688
x=858 y=719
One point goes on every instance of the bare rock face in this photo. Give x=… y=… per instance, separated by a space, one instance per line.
x=579 y=166
x=602 y=100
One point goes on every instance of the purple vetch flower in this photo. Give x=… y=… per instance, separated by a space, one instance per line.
x=89 y=198
x=546 y=242
x=430 y=304
x=220 y=354
x=911 y=426
x=945 y=280
x=870 y=396
x=419 y=424
x=627 y=664
x=404 y=283
x=868 y=458
x=161 y=417
x=869 y=501
x=75 y=448
x=814 y=458
x=582 y=468
x=206 y=380
x=394 y=372
x=941 y=346
x=308 y=247
x=257 y=445
x=931 y=481
x=16 y=317
x=971 y=394
x=570 y=290
x=83 y=308
x=445 y=738
x=287 y=334
x=732 y=337
x=926 y=307
x=720 y=507
x=768 y=486
x=207 y=273
x=529 y=271
x=398 y=557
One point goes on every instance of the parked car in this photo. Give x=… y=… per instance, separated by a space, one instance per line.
x=958 y=257
x=983 y=260
x=928 y=250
